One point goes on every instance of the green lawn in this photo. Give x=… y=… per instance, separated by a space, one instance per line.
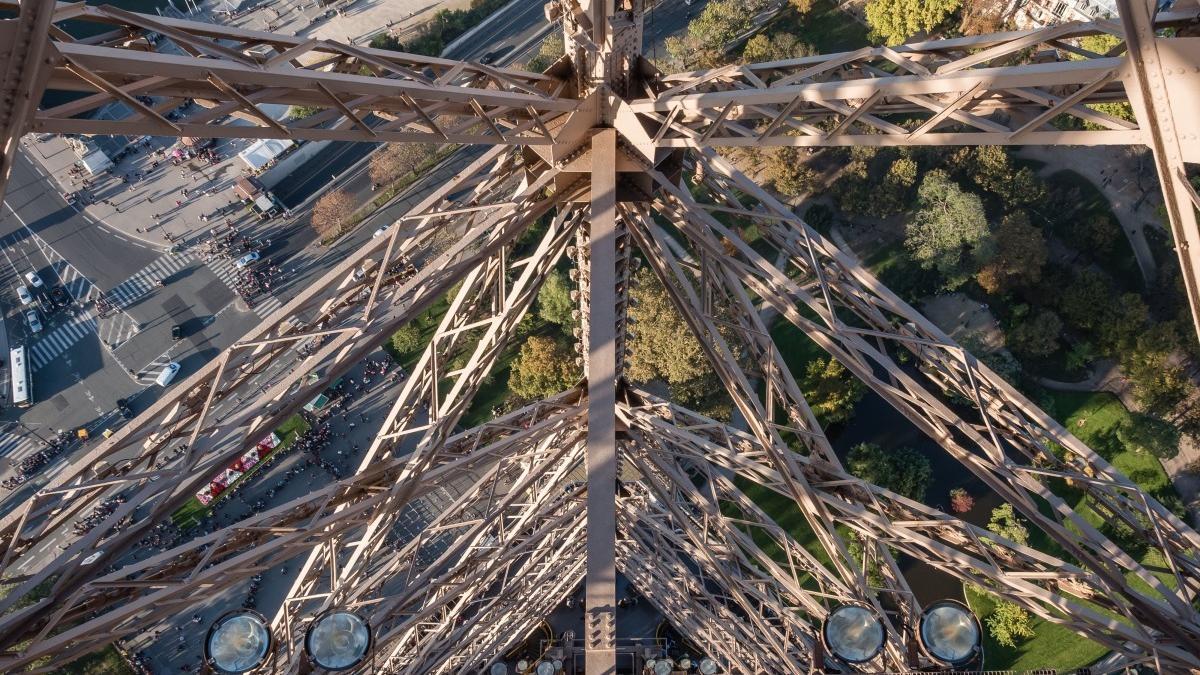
x=1093 y=418
x=1053 y=646
x=107 y=661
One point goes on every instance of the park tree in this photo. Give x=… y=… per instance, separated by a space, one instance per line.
x=1083 y=298
x=830 y=390
x=1006 y=523
x=790 y=175
x=703 y=44
x=1009 y=623
x=897 y=20
x=1102 y=44
x=554 y=303
x=395 y=160
x=992 y=169
x=901 y=470
x=1018 y=253
x=543 y=367
x=776 y=46
x=1036 y=336
x=1149 y=434
x=980 y=17
x=961 y=501
x=802 y=7
x=894 y=193
x=332 y=213
x=1159 y=383
x=949 y=231
x=550 y=51
x=407 y=340
x=663 y=345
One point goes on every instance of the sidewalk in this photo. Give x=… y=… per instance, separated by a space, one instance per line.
x=144 y=198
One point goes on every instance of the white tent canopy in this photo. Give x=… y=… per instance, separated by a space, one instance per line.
x=263 y=152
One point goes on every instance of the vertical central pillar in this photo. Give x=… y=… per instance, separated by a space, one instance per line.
x=601 y=581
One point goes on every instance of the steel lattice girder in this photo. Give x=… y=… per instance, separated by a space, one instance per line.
x=506 y=579
x=966 y=91
x=420 y=98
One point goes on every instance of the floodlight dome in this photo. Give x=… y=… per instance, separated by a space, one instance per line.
x=708 y=666
x=950 y=633
x=237 y=642
x=663 y=667
x=853 y=633
x=522 y=666
x=338 y=640
x=685 y=662
x=498 y=669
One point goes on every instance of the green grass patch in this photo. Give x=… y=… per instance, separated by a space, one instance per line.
x=1053 y=646
x=796 y=348
x=426 y=323
x=107 y=661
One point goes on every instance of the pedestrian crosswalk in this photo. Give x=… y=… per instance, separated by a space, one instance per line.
x=113 y=329
x=146 y=279
x=227 y=272
x=16 y=447
x=59 y=340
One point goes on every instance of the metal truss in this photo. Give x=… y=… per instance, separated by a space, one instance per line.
x=605 y=479
x=1000 y=89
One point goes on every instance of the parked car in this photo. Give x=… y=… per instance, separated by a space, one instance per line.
x=176 y=332
x=248 y=259
x=33 y=279
x=58 y=295
x=168 y=373
x=124 y=409
x=35 y=323
x=24 y=295
x=383 y=229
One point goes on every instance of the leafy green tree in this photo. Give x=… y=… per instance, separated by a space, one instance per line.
x=949 y=231
x=703 y=45
x=407 y=340
x=853 y=191
x=788 y=172
x=830 y=391
x=1159 y=383
x=386 y=40
x=1082 y=300
x=543 y=367
x=819 y=217
x=1018 y=253
x=897 y=20
x=901 y=470
x=894 y=194
x=550 y=51
x=554 y=303
x=991 y=168
x=1146 y=433
x=775 y=46
x=1006 y=523
x=1036 y=336
x=1102 y=44
x=1009 y=623
x=663 y=346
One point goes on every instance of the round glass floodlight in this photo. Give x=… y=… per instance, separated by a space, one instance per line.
x=685 y=663
x=338 y=640
x=708 y=666
x=522 y=666
x=950 y=632
x=545 y=668
x=237 y=642
x=663 y=667
x=498 y=669
x=852 y=633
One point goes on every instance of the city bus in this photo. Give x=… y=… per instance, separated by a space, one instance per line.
x=22 y=394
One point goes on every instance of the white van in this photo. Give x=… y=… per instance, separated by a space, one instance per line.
x=168 y=373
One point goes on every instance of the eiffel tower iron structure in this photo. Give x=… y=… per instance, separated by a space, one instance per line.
x=606 y=161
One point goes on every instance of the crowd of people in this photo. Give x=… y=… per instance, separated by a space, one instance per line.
x=98 y=514
x=30 y=465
